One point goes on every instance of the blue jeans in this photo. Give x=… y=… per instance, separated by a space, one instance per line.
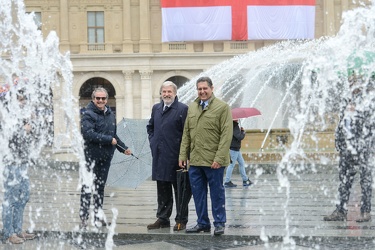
x=200 y=179
x=236 y=156
x=17 y=194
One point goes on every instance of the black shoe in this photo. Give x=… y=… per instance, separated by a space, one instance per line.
x=219 y=230
x=229 y=184
x=364 y=217
x=337 y=215
x=198 y=228
x=247 y=183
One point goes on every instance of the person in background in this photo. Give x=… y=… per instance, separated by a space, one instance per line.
x=354 y=139
x=98 y=128
x=236 y=156
x=16 y=180
x=164 y=130
x=205 y=143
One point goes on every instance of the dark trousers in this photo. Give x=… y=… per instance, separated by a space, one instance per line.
x=165 y=190
x=100 y=171
x=200 y=179
x=347 y=172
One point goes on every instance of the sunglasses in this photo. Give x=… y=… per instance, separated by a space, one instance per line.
x=102 y=98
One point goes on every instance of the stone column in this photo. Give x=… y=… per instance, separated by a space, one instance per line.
x=64 y=26
x=329 y=18
x=344 y=6
x=146 y=93
x=127 y=44
x=128 y=94
x=63 y=128
x=144 y=41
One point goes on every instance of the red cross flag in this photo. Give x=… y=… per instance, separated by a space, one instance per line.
x=205 y=20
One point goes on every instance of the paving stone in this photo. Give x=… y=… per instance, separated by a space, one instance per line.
x=262 y=216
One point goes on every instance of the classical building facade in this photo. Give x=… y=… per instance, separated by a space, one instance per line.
x=117 y=44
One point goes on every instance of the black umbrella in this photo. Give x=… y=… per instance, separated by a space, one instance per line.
x=183 y=195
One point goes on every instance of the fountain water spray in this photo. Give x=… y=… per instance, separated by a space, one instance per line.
x=35 y=66
x=298 y=85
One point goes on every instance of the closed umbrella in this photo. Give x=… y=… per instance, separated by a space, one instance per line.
x=183 y=195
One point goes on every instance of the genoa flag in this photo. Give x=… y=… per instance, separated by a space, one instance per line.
x=207 y=20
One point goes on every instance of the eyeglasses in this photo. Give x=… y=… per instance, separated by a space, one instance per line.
x=102 y=98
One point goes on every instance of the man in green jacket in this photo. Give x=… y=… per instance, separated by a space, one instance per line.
x=205 y=143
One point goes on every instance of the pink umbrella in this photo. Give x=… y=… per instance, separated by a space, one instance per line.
x=238 y=113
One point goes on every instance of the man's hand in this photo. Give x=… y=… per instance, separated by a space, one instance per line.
x=182 y=164
x=114 y=141
x=128 y=152
x=215 y=165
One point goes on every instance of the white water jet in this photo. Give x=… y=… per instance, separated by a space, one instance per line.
x=35 y=65
x=297 y=85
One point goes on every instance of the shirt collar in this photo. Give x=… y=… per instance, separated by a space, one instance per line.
x=205 y=102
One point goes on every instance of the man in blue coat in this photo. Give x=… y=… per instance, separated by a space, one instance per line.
x=98 y=128
x=165 y=130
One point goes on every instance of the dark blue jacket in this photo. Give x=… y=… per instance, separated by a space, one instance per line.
x=164 y=133
x=98 y=128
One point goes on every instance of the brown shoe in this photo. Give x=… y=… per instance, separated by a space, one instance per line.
x=14 y=239
x=364 y=217
x=336 y=216
x=26 y=236
x=158 y=224
x=179 y=226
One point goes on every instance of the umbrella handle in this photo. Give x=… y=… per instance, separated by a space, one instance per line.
x=125 y=149
x=134 y=156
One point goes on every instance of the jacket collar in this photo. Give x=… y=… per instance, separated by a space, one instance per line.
x=95 y=109
x=173 y=104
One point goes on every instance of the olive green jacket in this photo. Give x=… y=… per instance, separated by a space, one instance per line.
x=207 y=134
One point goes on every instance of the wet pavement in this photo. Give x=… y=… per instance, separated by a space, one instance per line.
x=273 y=213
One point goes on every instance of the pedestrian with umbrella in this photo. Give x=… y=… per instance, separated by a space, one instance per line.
x=165 y=129
x=236 y=156
x=98 y=128
x=235 y=146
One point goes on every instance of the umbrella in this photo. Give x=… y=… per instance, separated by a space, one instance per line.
x=238 y=113
x=129 y=171
x=183 y=195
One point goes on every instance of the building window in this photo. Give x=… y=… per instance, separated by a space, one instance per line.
x=37 y=19
x=95 y=30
